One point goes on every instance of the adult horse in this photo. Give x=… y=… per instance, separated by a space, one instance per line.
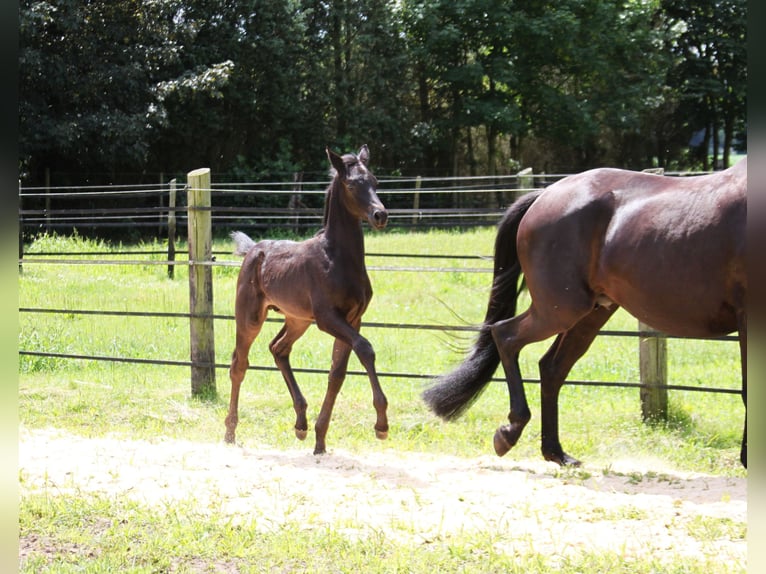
x=670 y=250
x=323 y=280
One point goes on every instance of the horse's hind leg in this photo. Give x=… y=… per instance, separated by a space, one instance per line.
x=280 y=348
x=340 y=355
x=554 y=368
x=510 y=336
x=743 y=359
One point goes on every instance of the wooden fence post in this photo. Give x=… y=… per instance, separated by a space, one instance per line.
x=201 y=284
x=47 y=200
x=526 y=182
x=653 y=364
x=295 y=203
x=416 y=201
x=172 y=229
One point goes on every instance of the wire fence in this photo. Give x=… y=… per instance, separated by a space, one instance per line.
x=474 y=202
x=293 y=206
x=367 y=325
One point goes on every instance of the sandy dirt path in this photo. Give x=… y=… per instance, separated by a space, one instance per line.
x=528 y=506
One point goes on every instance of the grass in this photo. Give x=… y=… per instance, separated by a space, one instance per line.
x=92 y=398
x=103 y=534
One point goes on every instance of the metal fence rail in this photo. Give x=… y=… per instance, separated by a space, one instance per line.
x=44 y=210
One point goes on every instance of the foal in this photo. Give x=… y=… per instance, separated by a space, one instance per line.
x=323 y=280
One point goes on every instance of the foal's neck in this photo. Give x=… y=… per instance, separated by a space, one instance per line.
x=342 y=230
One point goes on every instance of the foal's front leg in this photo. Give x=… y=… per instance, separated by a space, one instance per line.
x=340 y=355
x=349 y=335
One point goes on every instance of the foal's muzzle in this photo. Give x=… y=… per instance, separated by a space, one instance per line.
x=378 y=218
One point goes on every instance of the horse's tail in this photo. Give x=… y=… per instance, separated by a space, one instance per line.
x=453 y=393
x=242 y=243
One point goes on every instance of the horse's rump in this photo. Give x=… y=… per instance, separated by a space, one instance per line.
x=668 y=249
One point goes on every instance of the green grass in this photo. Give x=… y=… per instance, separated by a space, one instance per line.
x=92 y=398
x=103 y=534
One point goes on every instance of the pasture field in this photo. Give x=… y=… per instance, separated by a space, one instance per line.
x=94 y=400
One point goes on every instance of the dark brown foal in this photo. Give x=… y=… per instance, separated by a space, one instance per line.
x=321 y=280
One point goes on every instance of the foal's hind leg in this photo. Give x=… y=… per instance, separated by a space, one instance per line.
x=249 y=322
x=340 y=355
x=554 y=368
x=280 y=348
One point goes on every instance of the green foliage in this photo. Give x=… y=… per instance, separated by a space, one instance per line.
x=434 y=86
x=709 y=71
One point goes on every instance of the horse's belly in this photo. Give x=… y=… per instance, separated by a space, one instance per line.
x=678 y=317
x=689 y=287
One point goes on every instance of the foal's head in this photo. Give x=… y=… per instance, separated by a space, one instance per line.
x=358 y=185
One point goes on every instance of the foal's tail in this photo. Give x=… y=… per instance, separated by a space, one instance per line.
x=451 y=394
x=242 y=243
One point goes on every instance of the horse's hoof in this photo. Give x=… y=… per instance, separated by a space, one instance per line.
x=229 y=438
x=301 y=434
x=502 y=445
x=381 y=434
x=319 y=450
x=506 y=438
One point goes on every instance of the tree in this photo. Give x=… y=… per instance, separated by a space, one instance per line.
x=591 y=76
x=87 y=83
x=257 y=88
x=710 y=71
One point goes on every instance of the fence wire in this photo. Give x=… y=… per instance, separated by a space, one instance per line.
x=44 y=210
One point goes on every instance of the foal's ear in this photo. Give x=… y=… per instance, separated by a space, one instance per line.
x=337 y=162
x=364 y=155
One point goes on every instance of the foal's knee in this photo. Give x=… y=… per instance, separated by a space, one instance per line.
x=238 y=367
x=279 y=352
x=364 y=351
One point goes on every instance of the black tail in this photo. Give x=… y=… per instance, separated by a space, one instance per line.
x=242 y=243
x=451 y=394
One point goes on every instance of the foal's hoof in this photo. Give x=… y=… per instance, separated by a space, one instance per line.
x=381 y=434
x=505 y=439
x=229 y=438
x=562 y=459
x=301 y=434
